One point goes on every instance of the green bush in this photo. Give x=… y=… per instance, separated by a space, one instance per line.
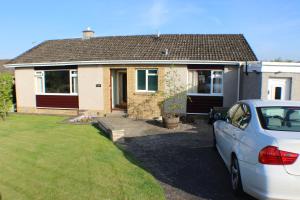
x=6 y=94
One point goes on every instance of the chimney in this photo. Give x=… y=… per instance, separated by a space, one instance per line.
x=87 y=34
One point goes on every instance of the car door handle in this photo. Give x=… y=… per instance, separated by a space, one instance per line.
x=234 y=136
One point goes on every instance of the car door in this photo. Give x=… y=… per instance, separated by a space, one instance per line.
x=223 y=134
x=241 y=139
x=232 y=132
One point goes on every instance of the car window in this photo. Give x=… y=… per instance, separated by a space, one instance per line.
x=241 y=117
x=231 y=112
x=281 y=118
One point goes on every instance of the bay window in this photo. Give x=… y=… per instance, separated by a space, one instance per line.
x=147 y=80
x=56 y=82
x=205 y=82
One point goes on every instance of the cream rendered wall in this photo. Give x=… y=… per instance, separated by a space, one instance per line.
x=25 y=89
x=91 y=97
x=250 y=85
x=230 y=86
x=182 y=82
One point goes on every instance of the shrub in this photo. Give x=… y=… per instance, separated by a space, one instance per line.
x=6 y=94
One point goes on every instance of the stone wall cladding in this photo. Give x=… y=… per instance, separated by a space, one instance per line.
x=141 y=105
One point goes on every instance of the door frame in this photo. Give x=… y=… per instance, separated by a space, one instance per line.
x=115 y=74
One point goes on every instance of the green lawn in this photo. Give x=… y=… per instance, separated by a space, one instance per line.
x=41 y=158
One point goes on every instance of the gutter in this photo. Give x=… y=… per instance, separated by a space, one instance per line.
x=122 y=62
x=238 y=82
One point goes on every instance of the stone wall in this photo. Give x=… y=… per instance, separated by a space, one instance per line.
x=143 y=105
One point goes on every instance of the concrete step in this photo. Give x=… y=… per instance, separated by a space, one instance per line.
x=112 y=132
x=117 y=113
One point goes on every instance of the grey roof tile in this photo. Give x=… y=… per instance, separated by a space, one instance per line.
x=217 y=47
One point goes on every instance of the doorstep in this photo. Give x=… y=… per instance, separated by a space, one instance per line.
x=113 y=133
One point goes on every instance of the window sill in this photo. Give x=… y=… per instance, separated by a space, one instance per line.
x=57 y=108
x=199 y=94
x=145 y=93
x=56 y=94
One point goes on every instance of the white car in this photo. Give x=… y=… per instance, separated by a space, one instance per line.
x=259 y=142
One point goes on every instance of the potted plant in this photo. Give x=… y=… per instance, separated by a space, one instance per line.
x=174 y=98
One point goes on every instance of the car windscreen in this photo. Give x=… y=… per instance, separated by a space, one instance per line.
x=281 y=118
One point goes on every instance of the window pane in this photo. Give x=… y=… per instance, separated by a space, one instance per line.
x=241 y=117
x=280 y=118
x=153 y=71
x=193 y=81
x=152 y=83
x=217 y=82
x=246 y=117
x=74 y=85
x=237 y=116
x=57 y=81
x=141 y=79
x=204 y=78
x=74 y=73
x=39 y=84
x=278 y=93
x=231 y=111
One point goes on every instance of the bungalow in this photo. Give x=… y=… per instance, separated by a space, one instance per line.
x=101 y=75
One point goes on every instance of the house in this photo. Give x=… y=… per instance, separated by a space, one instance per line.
x=100 y=75
x=4 y=69
x=271 y=80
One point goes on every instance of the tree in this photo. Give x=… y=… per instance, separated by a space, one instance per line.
x=282 y=60
x=6 y=94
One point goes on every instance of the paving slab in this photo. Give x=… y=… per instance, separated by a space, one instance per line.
x=182 y=160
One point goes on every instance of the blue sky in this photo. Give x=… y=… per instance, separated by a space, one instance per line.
x=272 y=27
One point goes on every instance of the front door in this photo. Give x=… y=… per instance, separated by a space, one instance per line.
x=122 y=90
x=279 y=89
x=119 y=89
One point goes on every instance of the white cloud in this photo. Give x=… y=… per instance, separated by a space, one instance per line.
x=216 y=20
x=157 y=14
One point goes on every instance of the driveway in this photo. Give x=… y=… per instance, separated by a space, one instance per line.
x=183 y=161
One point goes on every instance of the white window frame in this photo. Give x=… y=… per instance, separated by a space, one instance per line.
x=211 y=83
x=41 y=73
x=73 y=75
x=146 y=84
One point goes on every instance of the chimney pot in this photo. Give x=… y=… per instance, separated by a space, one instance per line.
x=87 y=34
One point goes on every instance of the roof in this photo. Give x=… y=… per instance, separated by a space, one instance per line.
x=4 y=69
x=212 y=47
x=265 y=103
x=274 y=67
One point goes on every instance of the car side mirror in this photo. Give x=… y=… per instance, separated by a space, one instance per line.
x=227 y=119
x=219 y=116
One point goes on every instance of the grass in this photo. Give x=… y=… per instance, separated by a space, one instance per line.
x=41 y=158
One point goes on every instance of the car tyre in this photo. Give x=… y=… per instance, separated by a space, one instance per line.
x=214 y=140
x=236 y=181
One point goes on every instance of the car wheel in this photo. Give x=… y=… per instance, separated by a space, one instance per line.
x=236 y=181
x=214 y=140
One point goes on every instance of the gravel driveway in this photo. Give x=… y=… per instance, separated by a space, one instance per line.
x=184 y=163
